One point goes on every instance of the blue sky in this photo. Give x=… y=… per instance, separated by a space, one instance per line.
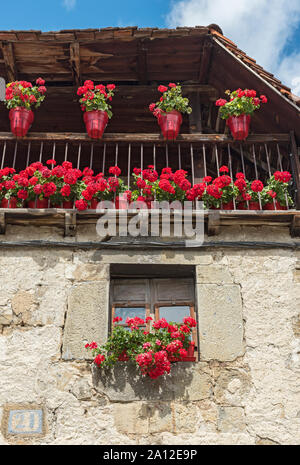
x=270 y=34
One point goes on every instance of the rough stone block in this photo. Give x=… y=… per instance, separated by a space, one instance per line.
x=6 y=315
x=232 y=387
x=231 y=419
x=220 y=322
x=87 y=318
x=131 y=418
x=213 y=274
x=160 y=417
x=90 y=272
x=186 y=417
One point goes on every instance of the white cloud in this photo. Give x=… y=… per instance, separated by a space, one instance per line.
x=261 y=28
x=69 y=4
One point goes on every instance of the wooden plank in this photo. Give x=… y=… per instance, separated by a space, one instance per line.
x=136 y=137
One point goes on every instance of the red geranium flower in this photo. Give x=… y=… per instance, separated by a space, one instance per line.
x=162 y=88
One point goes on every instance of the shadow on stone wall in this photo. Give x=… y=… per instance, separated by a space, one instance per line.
x=125 y=383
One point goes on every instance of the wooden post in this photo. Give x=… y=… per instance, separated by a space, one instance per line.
x=295 y=163
x=75 y=62
x=9 y=60
x=195 y=122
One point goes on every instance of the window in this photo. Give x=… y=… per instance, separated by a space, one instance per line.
x=169 y=298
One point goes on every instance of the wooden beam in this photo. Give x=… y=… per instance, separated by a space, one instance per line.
x=9 y=59
x=195 y=122
x=137 y=137
x=195 y=118
x=75 y=62
x=205 y=62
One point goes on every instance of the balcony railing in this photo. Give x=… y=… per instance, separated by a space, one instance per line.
x=199 y=154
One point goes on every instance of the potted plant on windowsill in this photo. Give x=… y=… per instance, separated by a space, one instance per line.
x=238 y=111
x=152 y=351
x=20 y=97
x=169 y=109
x=94 y=103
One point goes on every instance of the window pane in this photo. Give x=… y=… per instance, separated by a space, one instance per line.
x=130 y=312
x=175 y=314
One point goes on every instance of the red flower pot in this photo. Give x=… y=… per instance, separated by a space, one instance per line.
x=42 y=203
x=242 y=206
x=20 y=121
x=123 y=357
x=121 y=202
x=239 y=126
x=55 y=205
x=189 y=357
x=254 y=206
x=270 y=206
x=11 y=203
x=190 y=353
x=228 y=206
x=95 y=123
x=170 y=124
x=68 y=204
x=93 y=204
x=31 y=204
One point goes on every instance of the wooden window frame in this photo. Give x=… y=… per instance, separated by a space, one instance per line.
x=179 y=304
x=129 y=305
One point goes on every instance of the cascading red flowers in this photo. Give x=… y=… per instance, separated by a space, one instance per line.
x=64 y=184
x=153 y=350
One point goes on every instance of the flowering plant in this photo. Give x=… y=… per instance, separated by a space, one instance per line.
x=151 y=350
x=23 y=94
x=277 y=188
x=98 y=188
x=96 y=97
x=170 y=100
x=242 y=102
x=219 y=191
x=168 y=186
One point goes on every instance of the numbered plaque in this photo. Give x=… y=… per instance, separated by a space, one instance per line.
x=25 y=422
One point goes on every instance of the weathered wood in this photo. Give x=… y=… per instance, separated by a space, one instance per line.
x=137 y=137
x=214 y=224
x=70 y=223
x=75 y=62
x=142 y=62
x=295 y=226
x=2 y=223
x=205 y=62
x=9 y=59
x=195 y=118
x=295 y=167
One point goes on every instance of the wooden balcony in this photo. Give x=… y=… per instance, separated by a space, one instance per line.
x=199 y=154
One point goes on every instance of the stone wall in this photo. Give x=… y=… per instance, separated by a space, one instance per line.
x=244 y=389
